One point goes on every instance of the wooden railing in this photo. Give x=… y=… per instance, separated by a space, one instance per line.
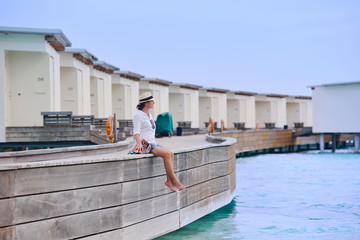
x=82 y=120
x=57 y=118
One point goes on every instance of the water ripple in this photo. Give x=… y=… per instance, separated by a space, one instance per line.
x=287 y=196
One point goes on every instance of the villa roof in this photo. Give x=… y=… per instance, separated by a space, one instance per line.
x=82 y=55
x=216 y=90
x=157 y=81
x=105 y=67
x=335 y=84
x=187 y=85
x=129 y=75
x=303 y=97
x=276 y=95
x=244 y=93
x=55 y=37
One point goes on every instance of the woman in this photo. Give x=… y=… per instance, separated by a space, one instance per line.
x=144 y=128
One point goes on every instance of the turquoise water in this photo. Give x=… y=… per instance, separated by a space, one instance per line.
x=287 y=196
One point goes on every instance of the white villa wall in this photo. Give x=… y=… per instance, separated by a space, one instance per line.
x=54 y=75
x=222 y=108
x=125 y=97
x=70 y=90
x=298 y=110
x=26 y=88
x=194 y=109
x=307 y=113
x=184 y=105
x=205 y=111
x=279 y=116
x=241 y=108
x=335 y=108
x=30 y=86
x=97 y=97
x=263 y=112
x=75 y=85
x=214 y=105
x=292 y=113
x=119 y=95
x=177 y=107
x=29 y=68
x=271 y=109
x=233 y=111
x=160 y=94
x=100 y=94
x=250 y=112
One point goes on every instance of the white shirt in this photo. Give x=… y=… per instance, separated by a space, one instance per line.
x=143 y=127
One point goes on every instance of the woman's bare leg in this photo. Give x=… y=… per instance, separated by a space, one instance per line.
x=168 y=157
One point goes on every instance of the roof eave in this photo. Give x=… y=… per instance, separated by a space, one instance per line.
x=156 y=80
x=81 y=51
x=334 y=84
x=133 y=74
x=106 y=65
x=187 y=85
x=57 y=34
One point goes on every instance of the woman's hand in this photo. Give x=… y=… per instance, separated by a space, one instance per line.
x=138 y=147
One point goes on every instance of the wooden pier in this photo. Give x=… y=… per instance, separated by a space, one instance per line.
x=101 y=192
x=281 y=140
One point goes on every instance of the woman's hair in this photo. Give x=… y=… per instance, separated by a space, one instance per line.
x=140 y=106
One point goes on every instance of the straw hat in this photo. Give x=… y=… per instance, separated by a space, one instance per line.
x=145 y=97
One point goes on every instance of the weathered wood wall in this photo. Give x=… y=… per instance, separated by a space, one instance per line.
x=55 y=133
x=112 y=196
x=38 y=134
x=248 y=141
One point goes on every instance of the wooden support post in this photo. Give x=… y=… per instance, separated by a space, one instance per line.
x=357 y=142
x=322 y=142
x=333 y=142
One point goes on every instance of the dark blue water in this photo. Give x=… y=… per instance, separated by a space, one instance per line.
x=287 y=196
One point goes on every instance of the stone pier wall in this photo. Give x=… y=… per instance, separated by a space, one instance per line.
x=74 y=194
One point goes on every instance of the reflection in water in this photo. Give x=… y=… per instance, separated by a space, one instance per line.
x=203 y=227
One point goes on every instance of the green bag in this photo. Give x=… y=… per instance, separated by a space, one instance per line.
x=164 y=123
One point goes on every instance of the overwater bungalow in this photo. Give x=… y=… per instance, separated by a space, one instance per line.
x=29 y=74
x=270 y=110
x=241 y=109
x=335 y=111
x=125 y=93
x=184 y=103
x=160 y=90
x=298 y=111
x=75 y=65
x=101 y=89
x=212 y=104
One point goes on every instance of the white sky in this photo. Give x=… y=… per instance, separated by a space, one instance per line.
x=263 y=46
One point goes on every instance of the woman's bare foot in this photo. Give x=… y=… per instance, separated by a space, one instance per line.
x=179 y=186
x=169 y=185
